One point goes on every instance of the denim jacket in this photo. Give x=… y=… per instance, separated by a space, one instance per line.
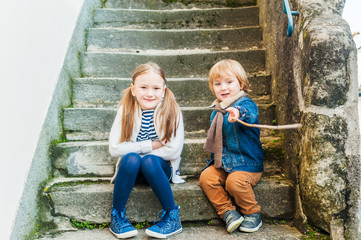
x=242 y=148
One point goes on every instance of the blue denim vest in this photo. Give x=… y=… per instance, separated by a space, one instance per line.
x=242 y=148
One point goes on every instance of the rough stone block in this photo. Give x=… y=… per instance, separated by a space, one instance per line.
x=323 y=168
x=327 y=45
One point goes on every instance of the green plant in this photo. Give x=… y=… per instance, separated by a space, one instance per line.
x=142 y=225
x=314 y=233
x=88 y=225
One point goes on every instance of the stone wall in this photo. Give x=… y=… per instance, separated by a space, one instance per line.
x=314 y=81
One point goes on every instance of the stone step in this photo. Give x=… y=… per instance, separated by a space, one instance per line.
x=105 y=39
x=177 y=18
x=193 y=231
x=176 y=4
x=175 y=63
x=93 y=158
x=90 y=200
x=95 y=123
x=106 y=92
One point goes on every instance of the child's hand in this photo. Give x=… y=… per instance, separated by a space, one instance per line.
x=233 y=114
x=156 y=145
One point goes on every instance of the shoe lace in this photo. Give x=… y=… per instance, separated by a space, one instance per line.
x=120 y=217
x=163 y=219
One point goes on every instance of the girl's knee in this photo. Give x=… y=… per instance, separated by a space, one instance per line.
x=150 y=164
x=131 y=161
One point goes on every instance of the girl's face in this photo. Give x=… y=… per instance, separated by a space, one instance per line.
x=149 y=89
x=226 y=87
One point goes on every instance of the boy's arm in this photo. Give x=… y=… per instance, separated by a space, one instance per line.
x=247 y=112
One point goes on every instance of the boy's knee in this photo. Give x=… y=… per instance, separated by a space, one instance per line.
x=208 y=179
x=234 y=183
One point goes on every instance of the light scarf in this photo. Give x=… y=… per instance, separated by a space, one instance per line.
x=214 y=142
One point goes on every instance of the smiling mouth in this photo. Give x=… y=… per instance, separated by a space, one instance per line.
x=225 y=94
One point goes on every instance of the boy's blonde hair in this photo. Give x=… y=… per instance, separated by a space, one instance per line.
x=226 y=67
x=168 y=114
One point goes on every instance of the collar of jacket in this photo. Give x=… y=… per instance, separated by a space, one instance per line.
x=229 y=101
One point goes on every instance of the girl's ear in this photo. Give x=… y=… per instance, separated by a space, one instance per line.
x=132 y=89
x=164 y=89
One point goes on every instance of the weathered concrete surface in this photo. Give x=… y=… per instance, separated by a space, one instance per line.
x=314 y=79
x=106 y=92
x=93 y=158
x=95 y=123
x=92 y=202
x=122 y=64
x=266 y=232
x=105 y=39
x=177 y=18
x=160 y=4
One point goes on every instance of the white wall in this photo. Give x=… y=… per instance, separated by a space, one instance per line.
x=352 y=14
x=34 y=40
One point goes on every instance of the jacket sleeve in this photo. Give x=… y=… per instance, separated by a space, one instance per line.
x=248 y=111
x=173 y=148
x=119 y=149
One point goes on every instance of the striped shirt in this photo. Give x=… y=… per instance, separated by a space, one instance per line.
x=147 y=130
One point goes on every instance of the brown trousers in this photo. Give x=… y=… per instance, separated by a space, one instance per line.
x=218 y=185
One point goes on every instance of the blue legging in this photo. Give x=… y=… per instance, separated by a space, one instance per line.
x=155 y=170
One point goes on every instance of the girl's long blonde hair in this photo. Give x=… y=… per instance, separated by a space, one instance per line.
x=167 y=116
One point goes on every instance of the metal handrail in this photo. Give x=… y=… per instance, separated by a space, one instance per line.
x=287 y=10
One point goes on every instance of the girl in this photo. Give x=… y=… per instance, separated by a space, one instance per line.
x=147 y=135
x=237 y=152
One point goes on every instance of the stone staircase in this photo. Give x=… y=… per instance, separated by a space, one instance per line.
x=185 y=38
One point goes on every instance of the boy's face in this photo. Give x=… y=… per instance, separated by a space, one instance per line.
x=226 y=87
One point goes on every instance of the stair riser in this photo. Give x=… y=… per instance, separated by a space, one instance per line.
x=93 y=159
x=170 y=4
x=205 y=18
x=93 y=202
x=191 y=93
x=176 y=65
x=165 y=39
x=95 y=124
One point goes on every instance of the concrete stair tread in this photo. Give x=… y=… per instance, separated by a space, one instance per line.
x=85 y=199
x=173 y=30
x=176 y=18
x=200 y=232
x=172 y=52
x=95 y=123
x=161 y=4
x=190 y=63
x=92 y=158
x=110 y=39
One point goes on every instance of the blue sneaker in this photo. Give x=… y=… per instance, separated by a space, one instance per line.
x=120 y=226
x=251 y=223
x=169 y=224
x=233 y=219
